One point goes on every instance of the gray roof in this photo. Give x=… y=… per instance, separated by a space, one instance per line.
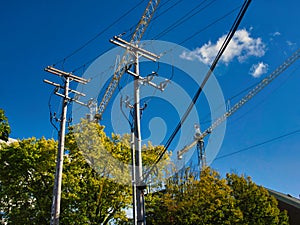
x=288 y=199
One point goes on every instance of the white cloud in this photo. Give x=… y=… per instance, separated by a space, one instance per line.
x=241 y=46
x=289 y=43
x=258 y=69
x=276 y=34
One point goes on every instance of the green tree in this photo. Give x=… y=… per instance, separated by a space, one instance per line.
x=213 y=200
x=191 y=201
x=257 y=205
x=26 y=177
x=4 y=126
x=91 y=194
x=109 y=159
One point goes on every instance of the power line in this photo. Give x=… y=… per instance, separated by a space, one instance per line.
x=163 y=12
x=209 y=25
x=100 y=33
x=198 y=32
x=124 y=33
x=166 y=10
x=221 y=51
x=92 y=60
x=259 y=144
x=196 y=96
x=184 y=18
x=185 y=40
x=203 y=29
x=52 y=115
x=259 y=103
x=228 y=100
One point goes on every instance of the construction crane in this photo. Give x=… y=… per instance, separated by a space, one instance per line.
x=127 y=59
x=199 y=138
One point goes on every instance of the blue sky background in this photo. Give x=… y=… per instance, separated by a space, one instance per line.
x=35 y=34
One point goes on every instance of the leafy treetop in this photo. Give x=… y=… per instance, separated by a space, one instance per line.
x=4 y=126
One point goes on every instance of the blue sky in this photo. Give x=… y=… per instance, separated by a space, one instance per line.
x=35 y=34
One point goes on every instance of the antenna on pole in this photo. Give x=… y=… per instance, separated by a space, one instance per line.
x=68 y=77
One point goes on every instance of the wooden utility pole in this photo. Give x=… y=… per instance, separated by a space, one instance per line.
x=55 y=210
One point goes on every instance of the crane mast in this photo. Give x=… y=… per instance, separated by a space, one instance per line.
x=127 y=58
x=245 y=99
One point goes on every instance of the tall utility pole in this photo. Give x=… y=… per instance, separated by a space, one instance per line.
x=55 y=210
x=138 y=186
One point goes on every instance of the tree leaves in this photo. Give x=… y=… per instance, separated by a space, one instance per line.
x=90 y=194
x=4 y=126
x=257 y=205
x=212 y=200
x=26 y=180
x=95 y=195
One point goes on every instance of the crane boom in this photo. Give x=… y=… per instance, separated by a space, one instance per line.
x=127 y=58
x=245 y=99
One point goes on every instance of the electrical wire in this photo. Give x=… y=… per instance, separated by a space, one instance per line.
x=273 y=91
x=198 y=32
x=173 y=27
x=251 y=87
x=90 y=61
x=130 y=34
x=84 y=65
x=159 y=14
x=209 y=25
x=166 y=10
x=205 y=119
x=51 y=117
x=259 y=144
x=221 y=47
x=184 y=18
x=124 y=114
x=125 y=32
x=202 y=30
x=196 y=96
x=99 y=34
x=221 y=51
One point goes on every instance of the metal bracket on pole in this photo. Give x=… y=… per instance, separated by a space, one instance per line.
x=134 y=48
x=160 y=87
x=61 y=73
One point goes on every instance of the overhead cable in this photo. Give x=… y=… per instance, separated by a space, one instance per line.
x=196 y=96
x=184 y=18
x=259 y=144
x=100 y=33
